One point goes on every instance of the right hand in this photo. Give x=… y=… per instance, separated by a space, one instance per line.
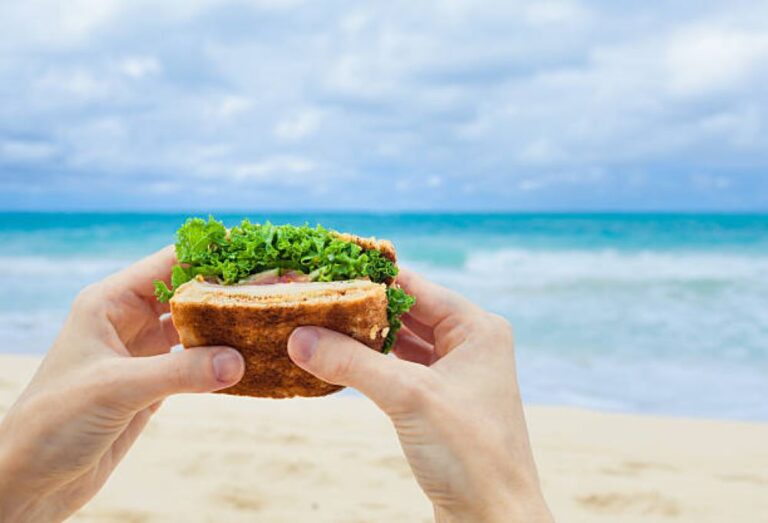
x=453 y=398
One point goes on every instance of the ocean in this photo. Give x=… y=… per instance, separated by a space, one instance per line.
x=651 y=313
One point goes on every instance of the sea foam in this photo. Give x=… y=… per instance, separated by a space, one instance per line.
x=666 y=332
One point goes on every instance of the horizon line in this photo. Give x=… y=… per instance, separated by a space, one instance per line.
x=671 y=212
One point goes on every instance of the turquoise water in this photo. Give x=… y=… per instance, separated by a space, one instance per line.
x=644 y=313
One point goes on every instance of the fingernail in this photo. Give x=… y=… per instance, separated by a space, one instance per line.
x=303 y=343
x=227 y=365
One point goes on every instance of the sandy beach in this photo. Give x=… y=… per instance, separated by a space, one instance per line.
x=220 y=458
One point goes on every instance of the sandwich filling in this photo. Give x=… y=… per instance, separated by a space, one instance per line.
x=265 y=254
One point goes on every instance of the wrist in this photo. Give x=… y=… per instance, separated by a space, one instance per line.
x=520 y=508
x=13 y=505
x=6 y=473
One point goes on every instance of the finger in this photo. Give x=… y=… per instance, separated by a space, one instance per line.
x=142 y=381
x=419 y=329
x=433 y=302
x=410 y=347
x=159 y=308
x=170 y=333
x=158 y=337
x=341 y=360
x=139 y=277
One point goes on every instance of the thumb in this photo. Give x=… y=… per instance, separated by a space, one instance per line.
x=341 y=360
x=146 y=380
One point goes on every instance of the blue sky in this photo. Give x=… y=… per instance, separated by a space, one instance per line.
x=452 y=104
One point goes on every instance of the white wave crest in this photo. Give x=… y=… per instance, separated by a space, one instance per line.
x=528 y=268
x=51 y=266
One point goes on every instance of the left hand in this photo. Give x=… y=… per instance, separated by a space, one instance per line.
x=95 y=391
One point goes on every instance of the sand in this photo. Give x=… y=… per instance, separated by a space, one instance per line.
x=219 y=458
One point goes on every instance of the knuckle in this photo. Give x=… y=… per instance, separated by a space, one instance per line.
x=418 y=388
x=457 y=302
x=102 y=381
x=502 y=324
x=180 y=376
x=88 y=298
x=454 y=329
x=502 y=333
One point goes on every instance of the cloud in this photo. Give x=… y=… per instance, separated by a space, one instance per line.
x=450 y=104
x=707 y=59
x=710 y=182
x=228 y=106
x=24 y=151
x=44 y=25
x=546 y=13
x=74 y=83
x=140 y=66
x=298 y=126
x=279 y=169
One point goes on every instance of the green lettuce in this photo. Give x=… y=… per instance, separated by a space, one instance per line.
x=204 y=248
x=398 y=303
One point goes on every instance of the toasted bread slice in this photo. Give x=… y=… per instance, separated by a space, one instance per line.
x=258 y=319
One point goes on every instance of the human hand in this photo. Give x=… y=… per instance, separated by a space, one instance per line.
x=94 y=392
x=453 y=398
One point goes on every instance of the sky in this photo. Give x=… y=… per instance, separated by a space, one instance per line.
x=399 y=105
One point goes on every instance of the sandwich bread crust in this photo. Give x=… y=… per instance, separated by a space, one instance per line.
x=258 y=319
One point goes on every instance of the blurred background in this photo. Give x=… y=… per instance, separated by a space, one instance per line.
x=595 y=172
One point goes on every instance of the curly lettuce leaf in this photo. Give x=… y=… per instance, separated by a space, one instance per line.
x=199 y=242
x=398 y=303
x=179 y=276
x=204 y=247
x=162 y=292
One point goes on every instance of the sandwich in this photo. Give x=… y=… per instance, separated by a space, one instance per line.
x=250 y=286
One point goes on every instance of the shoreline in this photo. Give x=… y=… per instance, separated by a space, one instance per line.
x=213 y=457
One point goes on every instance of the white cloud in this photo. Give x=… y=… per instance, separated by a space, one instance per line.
x=710 y=182
x=227 y=107
x=588 y=177
x=26 y=150
x=541 y=152
x=100 y=144
x=140 y=66
x=47 y=24
x=434 y=181
x=275 y=169
x=75 y=84
x=531 y=184
x=354 y=22
x=707 y=59
x=545 y=12
x=163 y=187
x=353 y=74
x=743 y=127
x=299 y=125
